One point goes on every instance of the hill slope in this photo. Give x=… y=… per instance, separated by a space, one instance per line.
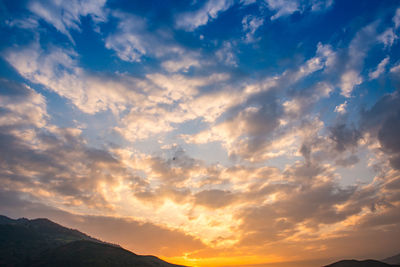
x=41 y=243
x=393 y=260
x=355 y=263
x=88 y=253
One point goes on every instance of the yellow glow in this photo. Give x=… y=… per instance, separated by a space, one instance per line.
x=224 y=261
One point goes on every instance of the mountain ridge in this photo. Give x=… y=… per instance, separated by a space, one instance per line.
x=393 y=259
x=363 y=263
x=44 y=243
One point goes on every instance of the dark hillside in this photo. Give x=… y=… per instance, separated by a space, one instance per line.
x=41 y=242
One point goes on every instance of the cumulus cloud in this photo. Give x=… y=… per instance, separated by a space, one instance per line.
x=300 y=211
x=21 y=105
x=281 y=179
x=58 y=71
x=48 y=153
x=174 y=100
x=254 y=119
x=248 y=130
x=145 y=102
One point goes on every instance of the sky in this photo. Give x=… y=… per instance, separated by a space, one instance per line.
x=208 y=133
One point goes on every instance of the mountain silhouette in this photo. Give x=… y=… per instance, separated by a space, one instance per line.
x=393 y=260
x=365 y=263
x=43 y=243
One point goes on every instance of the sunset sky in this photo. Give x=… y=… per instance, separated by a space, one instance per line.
x=208 y=133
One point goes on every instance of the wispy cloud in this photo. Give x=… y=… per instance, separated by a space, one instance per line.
x=66 y=16
x=210 y=10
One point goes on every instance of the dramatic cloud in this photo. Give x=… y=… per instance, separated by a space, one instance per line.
x=210 y=133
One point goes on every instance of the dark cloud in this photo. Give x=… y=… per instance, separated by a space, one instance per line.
x=9 y=88
x=214 y=198
x=174 y=169
x=253 y=124
x=312 y=205
x=389 y=139
x=345 y=137
x=383 y=121
x=157 y=196
x=348 y=161
x=385 y=107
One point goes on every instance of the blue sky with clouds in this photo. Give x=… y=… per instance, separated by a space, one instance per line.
x=207 y=120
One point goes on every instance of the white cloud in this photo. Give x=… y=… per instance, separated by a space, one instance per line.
x=349 y=80
x=23 y=107
x=387 y=37
x=174 y=99
x=324 y=58
x=396 y=18
x=395 y=68
x=250 y=25
x=58 y=71
x=128 y=41
x=247 y=2
x=132 y=40
x=282 y=7
x=379 y=69
x=288 y=7
x=182 y=64
x=341 y=109
x=140 y=125
x=189 y=21
x=226 y=54
x=65 y=15
x=318 y=5
x=140 y=105
x=28 y=23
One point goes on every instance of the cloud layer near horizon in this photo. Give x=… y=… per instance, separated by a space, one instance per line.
x=214 y=132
